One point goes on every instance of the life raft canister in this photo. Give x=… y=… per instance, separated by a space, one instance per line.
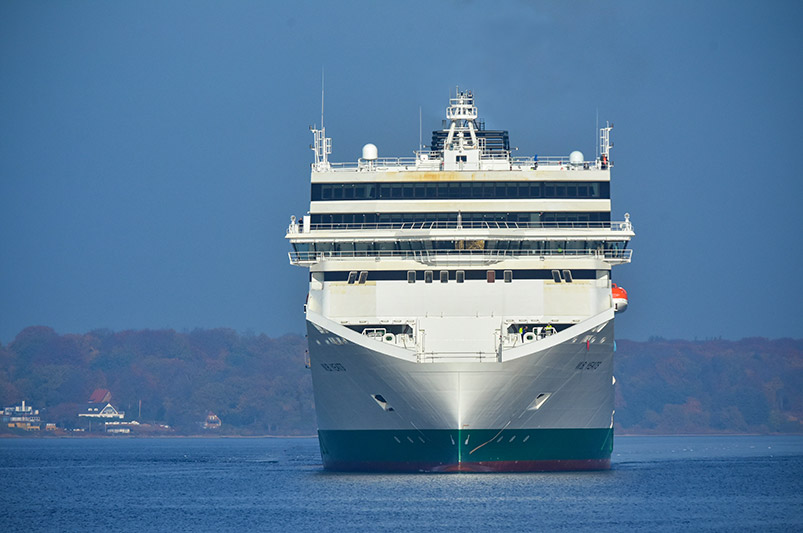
x=619 y=296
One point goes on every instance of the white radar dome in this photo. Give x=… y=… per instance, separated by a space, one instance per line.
x=369 y=152
x=576 y=158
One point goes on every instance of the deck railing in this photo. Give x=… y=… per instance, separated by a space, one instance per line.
x=458 y=255
x=429 y=159
x=407 y=163
x=454 y=225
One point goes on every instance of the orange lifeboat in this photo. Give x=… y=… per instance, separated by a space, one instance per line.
x=619 y=296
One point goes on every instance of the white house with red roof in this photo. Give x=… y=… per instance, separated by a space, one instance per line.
x=99 y=406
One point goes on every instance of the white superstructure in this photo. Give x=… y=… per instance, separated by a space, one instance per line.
x=460 y=289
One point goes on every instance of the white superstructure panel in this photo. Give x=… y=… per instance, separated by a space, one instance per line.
x=399 y=174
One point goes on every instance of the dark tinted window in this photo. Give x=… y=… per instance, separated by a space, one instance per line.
x=385 y=218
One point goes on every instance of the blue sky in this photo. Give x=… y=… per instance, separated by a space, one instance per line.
x=151 y=153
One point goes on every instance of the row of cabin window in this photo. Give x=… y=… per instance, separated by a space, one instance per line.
x=470 y=275
x=459 y=276
x=459 y=190
x=492 y=245
x=417 y=218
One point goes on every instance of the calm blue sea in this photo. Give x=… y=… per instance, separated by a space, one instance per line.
x=657 y=483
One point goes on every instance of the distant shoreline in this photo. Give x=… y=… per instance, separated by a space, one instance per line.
x=199 y=436
x=63 y=435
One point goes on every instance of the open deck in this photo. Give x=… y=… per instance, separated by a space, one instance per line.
x=426 y=161
x=614 y=256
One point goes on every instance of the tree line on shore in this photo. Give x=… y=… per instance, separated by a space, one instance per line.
x=259 y=385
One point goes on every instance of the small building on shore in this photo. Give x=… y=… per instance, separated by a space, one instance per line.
x=100 y=409
x=22 y=417
x=212 y=421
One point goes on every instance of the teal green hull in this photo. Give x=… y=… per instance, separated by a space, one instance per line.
x=476 y=450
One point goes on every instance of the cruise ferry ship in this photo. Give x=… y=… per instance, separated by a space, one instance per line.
x=461 y=306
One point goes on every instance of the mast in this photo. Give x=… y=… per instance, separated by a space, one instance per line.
x=462 y=113
x=605 y=144
x=322 y=144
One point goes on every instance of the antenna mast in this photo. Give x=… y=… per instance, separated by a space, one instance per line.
x=605 y=144
x=322 y=144
x=596 y=147
x=420 y=138
x=322 y=92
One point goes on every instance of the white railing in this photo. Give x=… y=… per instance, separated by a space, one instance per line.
x=418 y=163
x=440 y=255
x=454 y=225
x=386 y=162
x=555 y=162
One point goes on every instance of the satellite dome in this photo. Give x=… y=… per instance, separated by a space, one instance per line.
x=369 y=152
x=576 y=158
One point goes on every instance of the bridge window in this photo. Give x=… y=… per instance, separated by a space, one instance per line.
x=411 y=276
x=444 y=276
x=428 y=276
x=460 y=276
x=352 y=277
x=508 y=276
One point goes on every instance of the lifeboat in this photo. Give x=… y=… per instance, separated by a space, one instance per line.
x=619 y=296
